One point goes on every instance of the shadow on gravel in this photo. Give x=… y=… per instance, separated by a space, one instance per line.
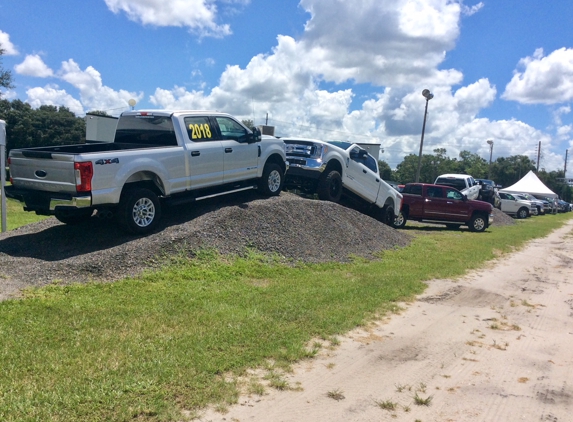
x=60 y=241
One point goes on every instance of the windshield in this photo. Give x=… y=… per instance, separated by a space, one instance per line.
x=340 y=144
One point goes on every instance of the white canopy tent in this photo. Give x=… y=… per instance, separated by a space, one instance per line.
x=531 y=184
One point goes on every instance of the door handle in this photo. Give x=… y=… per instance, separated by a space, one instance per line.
x=363 y=171
x=228 y=150
x=195 y=153
x=377 y=180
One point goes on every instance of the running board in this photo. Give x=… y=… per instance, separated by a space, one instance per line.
x=225 y=193
x=190 y=198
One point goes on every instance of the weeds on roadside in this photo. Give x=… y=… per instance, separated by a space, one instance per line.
x=421 y=401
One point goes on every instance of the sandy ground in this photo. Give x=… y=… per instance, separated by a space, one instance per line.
x=495 y=345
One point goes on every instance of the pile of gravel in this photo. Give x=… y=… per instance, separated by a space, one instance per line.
x=294 y=228
x=502 y=219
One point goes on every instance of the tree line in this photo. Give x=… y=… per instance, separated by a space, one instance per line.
x=504 y=171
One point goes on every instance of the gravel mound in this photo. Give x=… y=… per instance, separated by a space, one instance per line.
x=294 y=228
x=502 y=219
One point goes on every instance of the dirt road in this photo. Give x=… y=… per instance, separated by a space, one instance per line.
x=495 y=345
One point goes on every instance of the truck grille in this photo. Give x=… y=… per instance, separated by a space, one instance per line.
x=296 y=161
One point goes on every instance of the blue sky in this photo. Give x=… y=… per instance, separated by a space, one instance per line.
x=332 y=69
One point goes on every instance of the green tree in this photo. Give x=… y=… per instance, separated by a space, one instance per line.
x=249 y=123
x=384 y=170
x=508 y=170
x=98 y=113
x=47 y=125
x=473 y=165
x=5 y=75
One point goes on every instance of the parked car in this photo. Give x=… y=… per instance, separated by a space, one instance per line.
x=522 y=197
x=465 y=183
x=563 y=206
x=515 y=207
x=331 y=169
x=538 y=203
x=488 y=191
x=443 y=204
x=551 y=204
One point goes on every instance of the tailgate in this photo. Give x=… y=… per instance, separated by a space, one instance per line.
x=42 y=171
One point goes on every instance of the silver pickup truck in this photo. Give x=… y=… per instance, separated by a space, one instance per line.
x=156 y=157
x=331 y=169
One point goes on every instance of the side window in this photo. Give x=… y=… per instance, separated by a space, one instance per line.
x=434 y=192
x=232 y=130
x=371 y=163
x=453 y=194
x=199 y=129
x=413 y=189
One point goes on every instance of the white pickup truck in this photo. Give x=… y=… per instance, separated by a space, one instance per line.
x=330 y=169
x=465 y=183
x=156 y=157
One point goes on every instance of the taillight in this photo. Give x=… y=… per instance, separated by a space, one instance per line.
x=84 y=174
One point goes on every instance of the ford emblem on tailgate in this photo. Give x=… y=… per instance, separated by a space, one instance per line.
x=40 y=174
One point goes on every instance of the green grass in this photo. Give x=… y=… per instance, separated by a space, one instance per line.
x=17 y=217
x=178 y=339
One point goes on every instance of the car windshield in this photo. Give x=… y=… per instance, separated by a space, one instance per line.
x=340 y=144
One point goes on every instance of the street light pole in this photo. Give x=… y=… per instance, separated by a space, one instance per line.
x=490 y=142
x=428 y=95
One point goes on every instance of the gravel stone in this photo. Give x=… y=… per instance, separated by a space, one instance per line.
x=294 y=228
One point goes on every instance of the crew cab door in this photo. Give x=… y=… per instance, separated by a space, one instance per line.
x=456 y=207
x=435 y=203
x=206 y=153
x=508 y=203
x=361 y=176
x=241 y=154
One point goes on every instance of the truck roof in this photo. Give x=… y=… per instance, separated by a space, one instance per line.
x=173 y=112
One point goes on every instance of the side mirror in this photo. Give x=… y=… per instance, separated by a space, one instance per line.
x=255 y=136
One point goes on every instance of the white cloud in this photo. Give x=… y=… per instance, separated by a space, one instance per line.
x=471 y=10
x=544 y=80
x=93 y=94
x=33 y=65
x=52 y=95
x=200 y=16
x=6 y=45
x=396 y=43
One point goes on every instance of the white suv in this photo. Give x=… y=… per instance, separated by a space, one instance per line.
x=514 y=206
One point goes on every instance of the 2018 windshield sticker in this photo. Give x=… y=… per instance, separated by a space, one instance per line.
x=198 y=130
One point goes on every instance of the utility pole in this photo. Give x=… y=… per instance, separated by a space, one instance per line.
x=538 y=155
x=565 y=170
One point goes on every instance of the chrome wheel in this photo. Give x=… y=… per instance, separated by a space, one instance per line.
x=274 y=181
x=143 y=212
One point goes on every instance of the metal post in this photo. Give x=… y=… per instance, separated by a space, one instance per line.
x=3 y=172
x=422 y=143
x=490 y=142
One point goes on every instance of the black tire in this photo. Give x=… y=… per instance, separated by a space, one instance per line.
x=478 y=223
x=139 y=211
x=453 y=226
x=271 y=183
x=74 y=217
x=522 y=213
x=330 y=187
x=400 y=221
x=386 y=215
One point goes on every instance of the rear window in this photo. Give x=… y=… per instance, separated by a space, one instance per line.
x=413 y=189
x=145 y=130
x=459 y=184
